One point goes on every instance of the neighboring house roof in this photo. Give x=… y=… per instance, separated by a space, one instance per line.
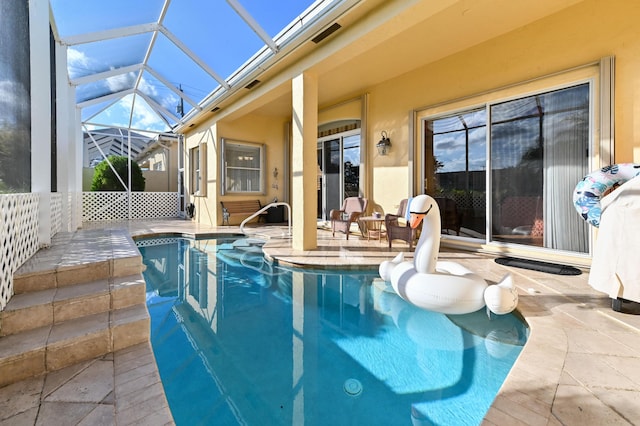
x=158 y=144
x=113 y=142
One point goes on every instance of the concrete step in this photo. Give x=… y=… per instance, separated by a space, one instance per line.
x=79 y=299
x=53 y=347
x=35 y=276
x=27 y=311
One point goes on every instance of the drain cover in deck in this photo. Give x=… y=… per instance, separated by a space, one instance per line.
x=536 y=265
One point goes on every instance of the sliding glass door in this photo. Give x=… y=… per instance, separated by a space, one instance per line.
x=338 y=171
x=539 y=152
x=536 y=149
x=456 y=162
x=329 y=177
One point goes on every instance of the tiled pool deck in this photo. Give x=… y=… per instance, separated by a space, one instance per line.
x=580 y=366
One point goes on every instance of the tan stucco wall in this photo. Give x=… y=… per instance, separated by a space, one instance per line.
x=204 y=203
x=258 y=129
x=155 y=181
x=576 y=36
x=163 y=180
x=350 y=109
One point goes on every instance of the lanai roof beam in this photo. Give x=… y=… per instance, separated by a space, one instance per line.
x=110 y=34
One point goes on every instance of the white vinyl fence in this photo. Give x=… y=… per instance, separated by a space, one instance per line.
x=18 y=237
x=114 y=206
x=19 y=220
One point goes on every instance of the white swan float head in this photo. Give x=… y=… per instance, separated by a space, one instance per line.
x=439 y=286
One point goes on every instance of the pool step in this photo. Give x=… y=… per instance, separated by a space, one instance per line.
x=35 y=309
x=53 y=347
x=73 y=302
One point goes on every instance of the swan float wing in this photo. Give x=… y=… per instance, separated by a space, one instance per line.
x=445 y=287
x=386 y=267
x=502 y=298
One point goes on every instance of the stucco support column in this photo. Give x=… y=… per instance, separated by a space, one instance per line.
x=304 y=341
x=304 y=162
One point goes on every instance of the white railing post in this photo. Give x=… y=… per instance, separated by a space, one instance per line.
x=265 y=208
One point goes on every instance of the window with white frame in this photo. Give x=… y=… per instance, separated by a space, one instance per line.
x=197 y=158
x=242 y=167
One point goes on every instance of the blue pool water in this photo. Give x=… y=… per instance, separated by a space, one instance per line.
x=240 y=341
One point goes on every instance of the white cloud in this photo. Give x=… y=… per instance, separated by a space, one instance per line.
x=77 y=62
x=146 y=88
x=169 y=101
x=121 y=82
x=144 y=117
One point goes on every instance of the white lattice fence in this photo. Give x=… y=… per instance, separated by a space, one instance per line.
x=18 y=237
x=104 y=206
x=56 y=213
x=476 y=201
x=111 y=206
x=150 y=205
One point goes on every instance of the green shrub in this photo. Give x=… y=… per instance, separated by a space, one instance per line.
x=105 y=180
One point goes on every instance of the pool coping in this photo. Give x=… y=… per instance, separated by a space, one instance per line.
x=579 y=365
x=573 y=333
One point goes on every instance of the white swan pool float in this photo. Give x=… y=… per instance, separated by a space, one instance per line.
x=442 y=286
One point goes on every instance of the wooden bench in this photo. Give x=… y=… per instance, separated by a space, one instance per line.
x=245 y=208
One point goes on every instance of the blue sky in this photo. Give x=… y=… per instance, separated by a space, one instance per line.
x=211 y=29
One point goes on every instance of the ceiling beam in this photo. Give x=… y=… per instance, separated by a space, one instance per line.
x=172 y=87
x=109 y=34
x=246 y=17
x=163 y=12
x=115 y=95
x=180 y=45
x=159 y=108
x=105 y=74
x=133 y=129
x=109 y=137
x=152 y=43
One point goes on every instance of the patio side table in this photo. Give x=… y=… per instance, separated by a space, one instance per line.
x=373 y=225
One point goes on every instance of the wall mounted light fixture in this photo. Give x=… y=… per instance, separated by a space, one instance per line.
x=384 y=145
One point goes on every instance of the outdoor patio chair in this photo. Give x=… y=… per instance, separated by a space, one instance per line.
x=398 y=227
x=352 y=208
x=522 y=215
x=450 y=218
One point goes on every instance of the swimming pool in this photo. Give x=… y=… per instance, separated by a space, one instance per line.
x=240 y=341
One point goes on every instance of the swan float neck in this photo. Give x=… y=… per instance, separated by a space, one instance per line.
x=426 y=254
x=445 y=287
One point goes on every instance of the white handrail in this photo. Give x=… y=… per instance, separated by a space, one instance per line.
x=261 y=268
x=265 y=208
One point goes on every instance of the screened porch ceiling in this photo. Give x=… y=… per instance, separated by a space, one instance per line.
x=156 y=65
x=151 y=65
